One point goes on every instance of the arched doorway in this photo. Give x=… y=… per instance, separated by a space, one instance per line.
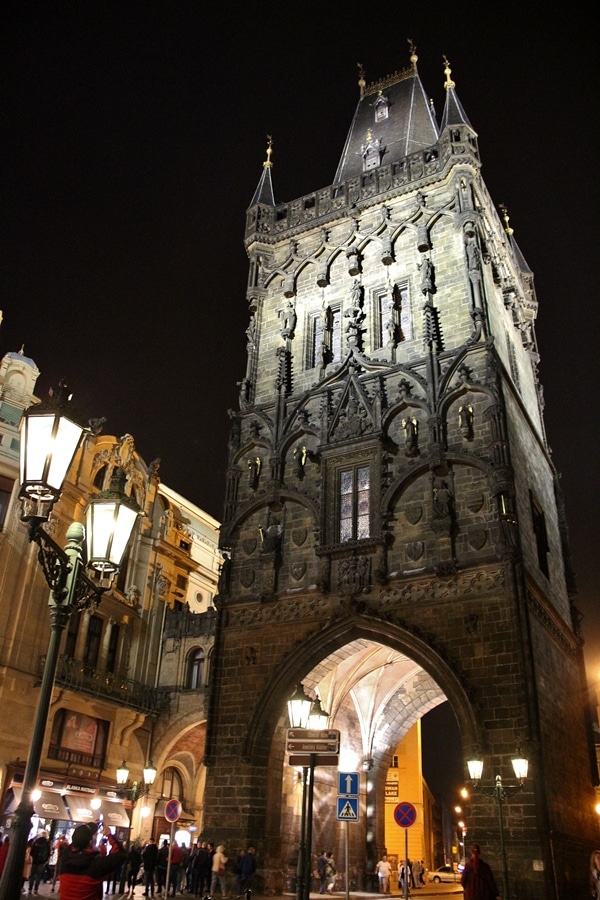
x=376 y=687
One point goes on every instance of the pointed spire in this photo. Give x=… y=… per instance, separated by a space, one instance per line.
x=505 y=218
x=519 y=258
x=413 y=54
x=448 y=73
x=454 y=113
x=264 y=191
x=361 y=79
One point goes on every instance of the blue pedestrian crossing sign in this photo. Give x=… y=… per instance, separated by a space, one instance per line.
x=347 y=809
x=348 y=783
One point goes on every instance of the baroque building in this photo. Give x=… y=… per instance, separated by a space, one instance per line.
x=133 y=671
x=393 y=528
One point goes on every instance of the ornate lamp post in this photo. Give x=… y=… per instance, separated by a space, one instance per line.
x=135 y=792
x=50 y=436
x=304 y=713
x=500 y=792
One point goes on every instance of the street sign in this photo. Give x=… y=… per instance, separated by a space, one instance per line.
x=317 y=759
x=347 y=809
x=405 y=814
x=348 y=783
x=313 y=734
x=297 y=746
x=172 y=810
x=312 y=740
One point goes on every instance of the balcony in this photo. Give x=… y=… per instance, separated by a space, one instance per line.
x=75 y=676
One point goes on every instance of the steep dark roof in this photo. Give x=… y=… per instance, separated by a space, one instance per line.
x=409 y=126
x=264 y=190
x=454 y=113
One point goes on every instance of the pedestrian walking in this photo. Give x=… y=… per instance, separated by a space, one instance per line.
x=384 y=870
x=477 y=878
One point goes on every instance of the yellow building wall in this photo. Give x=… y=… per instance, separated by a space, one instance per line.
x=405 y=783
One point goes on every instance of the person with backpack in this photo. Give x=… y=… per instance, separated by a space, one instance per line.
x=40 y=854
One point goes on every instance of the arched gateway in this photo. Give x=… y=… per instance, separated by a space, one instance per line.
x=393 y=525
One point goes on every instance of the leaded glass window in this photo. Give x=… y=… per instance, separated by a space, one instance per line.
x=355 y=502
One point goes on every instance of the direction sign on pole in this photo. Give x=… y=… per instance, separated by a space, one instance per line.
x=405 y=814
x=347 y=809
x=311 y=740
x=320 y=759
x=348 y=783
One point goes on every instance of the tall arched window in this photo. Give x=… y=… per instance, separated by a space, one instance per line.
x=195 y=671
x=171 y=785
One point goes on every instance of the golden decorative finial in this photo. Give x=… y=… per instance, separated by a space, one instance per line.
x=448 y=73
x=267 y=163
x=506 y=219
x=413 y=53
x=361 y=79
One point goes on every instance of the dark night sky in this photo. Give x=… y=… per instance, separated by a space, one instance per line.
x=133 y=139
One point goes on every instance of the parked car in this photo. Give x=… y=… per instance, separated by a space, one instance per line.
x=444 y=873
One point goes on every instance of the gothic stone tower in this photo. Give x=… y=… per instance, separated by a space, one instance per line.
x=390 y=490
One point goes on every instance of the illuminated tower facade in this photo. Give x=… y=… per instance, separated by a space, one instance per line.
x=393 y=524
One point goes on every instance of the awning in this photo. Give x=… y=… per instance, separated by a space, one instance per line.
x=114 y=813
x=49 y=806
x=80 y=807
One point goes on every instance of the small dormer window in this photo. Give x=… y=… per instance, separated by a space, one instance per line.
x=382 y=107
x=371 y=152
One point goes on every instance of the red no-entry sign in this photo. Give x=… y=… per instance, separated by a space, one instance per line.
x=405 y=814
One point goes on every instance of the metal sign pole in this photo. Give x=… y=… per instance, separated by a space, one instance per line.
x=169 y=858
x=347 y=840
x=405 y=888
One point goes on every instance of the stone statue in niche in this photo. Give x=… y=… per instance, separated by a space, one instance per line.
x=288 y=320
x=244 y=386
x=271 y=537
x=411 y=435
x=473 y=255
x=254 y=467
x=354 y=313
x=224 y=573
x=251 y=334
x=442 y=499
x=427 y=274
x=465 y=422
x=300 y=457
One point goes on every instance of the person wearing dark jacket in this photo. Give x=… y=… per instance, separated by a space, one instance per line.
x=149 y=858
x=84 y=868
x=40 y=854
x=134 y=861
x=477 y=878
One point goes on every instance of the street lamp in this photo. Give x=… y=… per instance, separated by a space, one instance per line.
x=304 y=713
x=500 y=792
x=50 y=436
x=135 y=792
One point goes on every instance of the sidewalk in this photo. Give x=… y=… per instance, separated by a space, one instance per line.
x=429 y=890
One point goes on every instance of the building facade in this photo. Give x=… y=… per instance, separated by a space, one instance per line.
x=133 y=672
x=393 y=529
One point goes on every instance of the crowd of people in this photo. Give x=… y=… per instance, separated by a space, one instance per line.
x=94 y=862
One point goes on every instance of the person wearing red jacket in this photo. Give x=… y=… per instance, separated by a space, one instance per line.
x=84 y=869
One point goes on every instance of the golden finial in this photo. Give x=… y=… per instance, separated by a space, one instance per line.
x=267 y=163
x=361 y=79
x=413 y=53
x=506 y=219
x=448 y=73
